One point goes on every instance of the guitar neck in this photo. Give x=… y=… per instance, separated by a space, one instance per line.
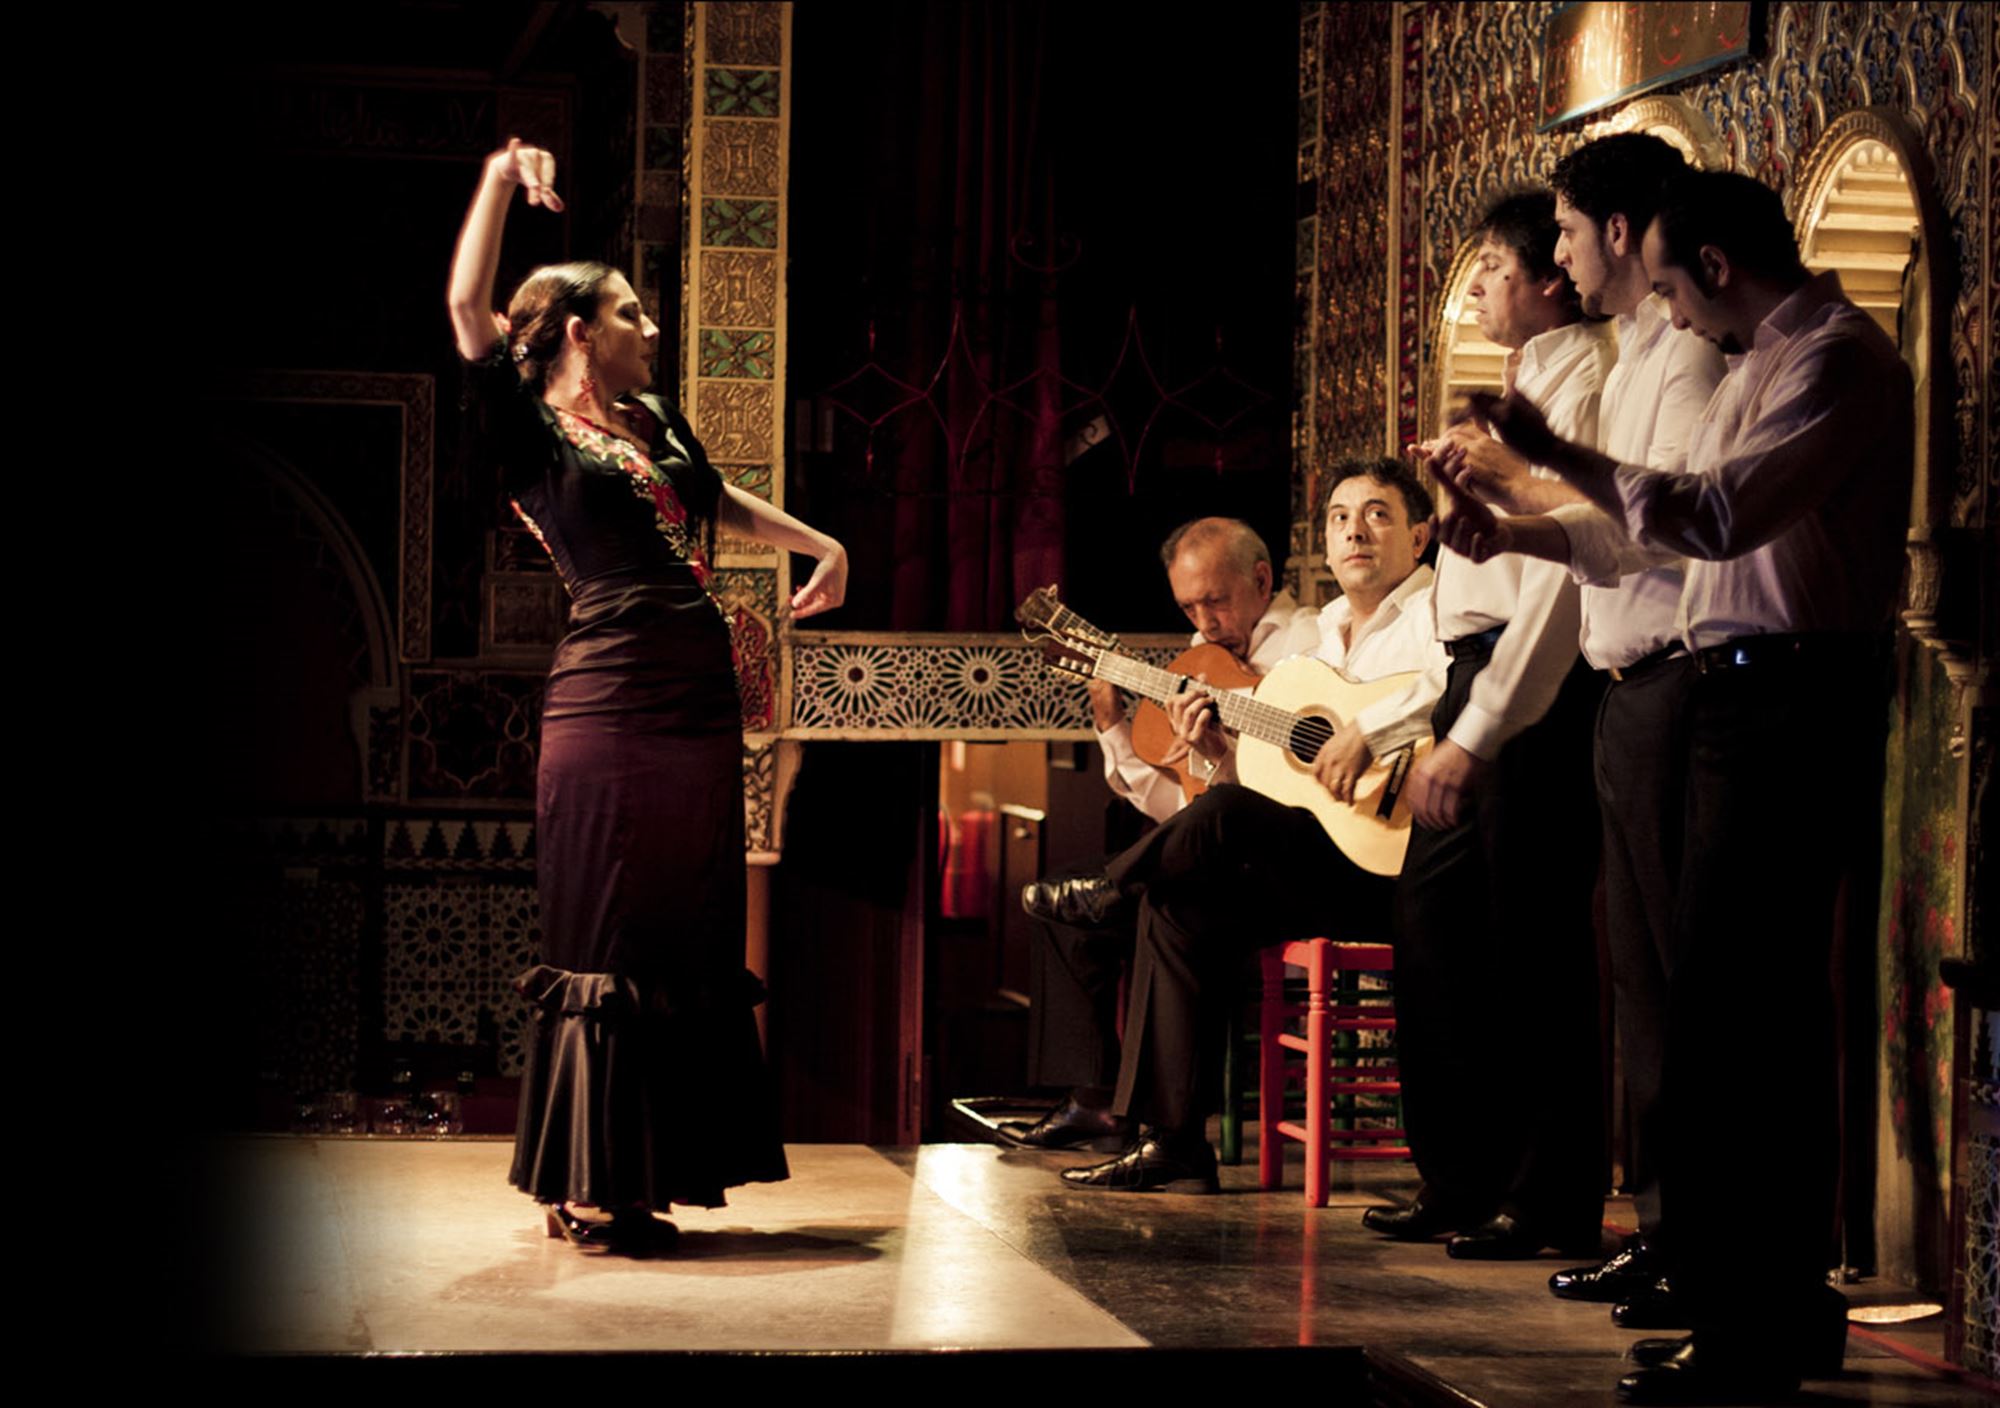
x=1237 y=712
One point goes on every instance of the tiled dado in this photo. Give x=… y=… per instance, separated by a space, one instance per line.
x=738 y=152
x=922 y=685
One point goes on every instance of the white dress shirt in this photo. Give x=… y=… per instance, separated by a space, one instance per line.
x=1285 y=629
x=1653 y=399
x=1563 y=372
x=1796 y=496
x=1397 y=638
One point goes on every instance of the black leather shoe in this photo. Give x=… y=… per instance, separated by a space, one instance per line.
x=1071 y=1126
x=1655 y=1308
x=1147 y=1167
x=1419 y=1222
x=1648 y=1352
x=1820 y=1349
x=1633 y=1270
x=1087 y=901
x=1687 y=1378
x=1504 y=1237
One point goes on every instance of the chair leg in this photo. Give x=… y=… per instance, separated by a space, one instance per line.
x=1319 y=1057
x=1271 y=1073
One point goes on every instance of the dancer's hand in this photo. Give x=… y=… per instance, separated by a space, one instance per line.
x=826 y=588
x=530 y=168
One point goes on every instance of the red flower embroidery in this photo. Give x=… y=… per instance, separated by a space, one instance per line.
x=651 y=484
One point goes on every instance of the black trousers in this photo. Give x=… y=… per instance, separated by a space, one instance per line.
x=1496 y=979
x=1073 y=973
x=1641 y=790
x=1780 y=765
x=1232 y=873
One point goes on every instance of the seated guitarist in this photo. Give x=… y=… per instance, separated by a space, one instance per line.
x=1235 y=870
x=1222 y=577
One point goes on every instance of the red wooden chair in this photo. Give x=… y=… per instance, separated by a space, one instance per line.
x=1333 y=1068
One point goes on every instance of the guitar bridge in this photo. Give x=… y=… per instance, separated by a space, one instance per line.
x=1399 y=769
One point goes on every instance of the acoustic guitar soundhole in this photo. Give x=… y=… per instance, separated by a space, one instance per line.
x=1308 y=736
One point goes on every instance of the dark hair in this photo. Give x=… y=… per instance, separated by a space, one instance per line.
x=1739 y=215
x=1389 y=473
x=542 y=307
x=1524 y=220
x=1618 y=175
x=1244 y=546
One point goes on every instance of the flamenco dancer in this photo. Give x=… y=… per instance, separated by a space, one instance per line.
x=645 y=1084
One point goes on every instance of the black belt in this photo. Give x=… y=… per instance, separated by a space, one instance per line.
x=1480 y=644
x=1622 y=673
x=1771 y=651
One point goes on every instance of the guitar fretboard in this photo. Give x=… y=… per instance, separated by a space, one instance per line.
x=1301 y=734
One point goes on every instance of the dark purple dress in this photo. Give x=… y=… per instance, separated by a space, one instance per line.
x=645 y=1082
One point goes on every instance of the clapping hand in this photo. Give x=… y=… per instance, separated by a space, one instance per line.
x=1470 y=529
x=1519 y=422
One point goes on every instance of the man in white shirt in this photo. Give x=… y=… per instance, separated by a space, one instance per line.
x=1495 y=948
x=1237 y=871
x=1223 y=579
x=1606 y=193
x=1791 y=511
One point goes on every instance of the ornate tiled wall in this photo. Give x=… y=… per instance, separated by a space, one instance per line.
x=1347 y=92
x=1465 y=114
x=733 y=364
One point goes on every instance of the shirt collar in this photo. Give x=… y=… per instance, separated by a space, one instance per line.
x=1798 y=308
x=1642 y=324
x=1340 y=610
x=1554 y=345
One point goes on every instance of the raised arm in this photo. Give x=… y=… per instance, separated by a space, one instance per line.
x=751 y=517
x=477 y=260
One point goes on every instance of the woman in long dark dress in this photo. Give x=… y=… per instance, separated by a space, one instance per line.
x=645 y=1083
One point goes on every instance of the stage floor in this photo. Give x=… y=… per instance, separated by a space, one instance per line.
x=409 y=1246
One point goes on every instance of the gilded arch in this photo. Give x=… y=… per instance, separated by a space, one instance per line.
x=1866 y=205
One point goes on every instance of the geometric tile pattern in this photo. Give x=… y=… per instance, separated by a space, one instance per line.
x=741 y=354
x=967 y=687
x=744 y=33
x=450 y=952
x=740 y=92
x=306 y=941
x=739 y=157
x=1982 y=1251
x=747 y=222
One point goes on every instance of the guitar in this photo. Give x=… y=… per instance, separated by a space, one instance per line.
x=1280 y=729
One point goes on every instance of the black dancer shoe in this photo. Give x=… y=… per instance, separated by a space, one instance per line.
x=1655 y=1308
x=627 y=1232
x=1421 y=1221
x=1504 y=1237
x=1634 y=1269
x=1087 y=901
x=1147 y=1167
x=1071 y=1126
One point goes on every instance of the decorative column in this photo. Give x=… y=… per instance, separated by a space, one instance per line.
x=733 y=340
